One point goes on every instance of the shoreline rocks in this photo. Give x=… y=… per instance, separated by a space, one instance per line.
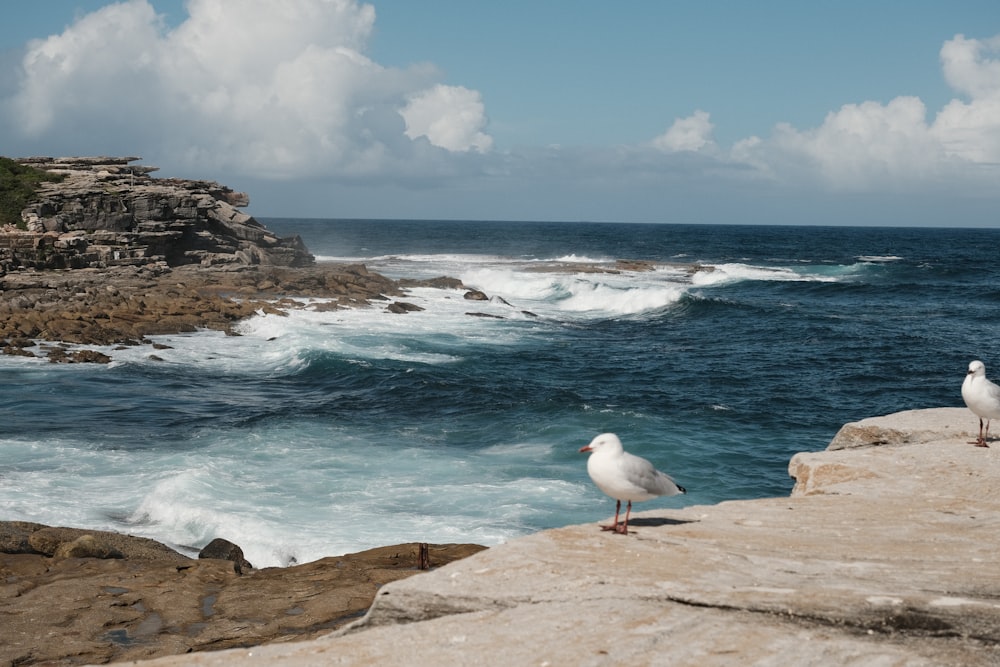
x=109 y=256
x=72 y=596
x=42 y=310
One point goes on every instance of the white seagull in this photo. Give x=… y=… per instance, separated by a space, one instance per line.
x=982 y=397
x=624 y=476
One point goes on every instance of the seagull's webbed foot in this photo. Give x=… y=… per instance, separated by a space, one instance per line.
x=620 y=528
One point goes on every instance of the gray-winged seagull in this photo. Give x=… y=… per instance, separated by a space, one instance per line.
x=982 y=397
x=624 y=476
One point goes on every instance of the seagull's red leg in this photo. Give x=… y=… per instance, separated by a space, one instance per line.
x=614 y=526
x=628 y=511
x=980 y=441
x=983 y=438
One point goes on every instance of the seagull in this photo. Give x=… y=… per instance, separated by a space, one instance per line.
x=982 y=397
x=624 y=476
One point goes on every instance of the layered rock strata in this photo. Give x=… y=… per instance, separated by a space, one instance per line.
x=886 y=553
x=109 y=212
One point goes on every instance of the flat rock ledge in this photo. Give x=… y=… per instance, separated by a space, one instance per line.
x=886 y=553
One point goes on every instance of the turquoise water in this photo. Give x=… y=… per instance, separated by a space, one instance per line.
x=322 y=433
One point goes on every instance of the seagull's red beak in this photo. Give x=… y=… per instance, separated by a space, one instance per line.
x=585 y=448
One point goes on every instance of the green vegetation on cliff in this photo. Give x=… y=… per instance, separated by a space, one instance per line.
x=17 y=189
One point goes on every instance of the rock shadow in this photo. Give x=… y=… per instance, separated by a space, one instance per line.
x=653 y=522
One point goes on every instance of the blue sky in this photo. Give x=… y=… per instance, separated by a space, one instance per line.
x=650 y=110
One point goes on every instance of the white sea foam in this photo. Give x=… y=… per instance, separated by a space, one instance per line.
x=289 y=495
x=879 y=258
x=578 y=259
x=720 y=274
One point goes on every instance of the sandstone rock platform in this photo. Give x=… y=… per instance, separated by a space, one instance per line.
x=886 y=553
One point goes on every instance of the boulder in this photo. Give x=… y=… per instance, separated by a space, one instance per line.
x=402 y=307
x=87 y=546
x=14 y=537
x=226 y=550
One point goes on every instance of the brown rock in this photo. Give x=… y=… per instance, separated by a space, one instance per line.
x=124 y=305
x=400 y=307
x=226 y=550
x=14 y=536
x=86 y=546
x=157 y=602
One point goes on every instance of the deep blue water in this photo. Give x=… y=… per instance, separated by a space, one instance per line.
x=321 y=433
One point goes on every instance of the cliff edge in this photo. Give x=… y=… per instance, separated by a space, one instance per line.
x=105 y=212
x=885 y=553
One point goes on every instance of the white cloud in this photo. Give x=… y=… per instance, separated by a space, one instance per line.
x=968 y=68
x=274 y=89
x=693 y=133
x=287 y=90
x=871 y=146
x=451 y=117
x=971 y=130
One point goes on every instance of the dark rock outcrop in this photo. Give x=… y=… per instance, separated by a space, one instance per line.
x=225 y=550
x=92 y=597
x=108 y=212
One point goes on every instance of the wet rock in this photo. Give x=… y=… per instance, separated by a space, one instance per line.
x=225 y=550
x=153 y=601
x=400 y=307
x=125 y=305
x=441 y=282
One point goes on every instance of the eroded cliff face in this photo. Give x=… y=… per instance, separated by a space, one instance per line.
x=110 y=212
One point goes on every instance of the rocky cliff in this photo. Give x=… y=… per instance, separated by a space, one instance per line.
x=886 y=553
x=108 y=212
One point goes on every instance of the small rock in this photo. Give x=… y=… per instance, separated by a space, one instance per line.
x=402 y=307
x=226 y=550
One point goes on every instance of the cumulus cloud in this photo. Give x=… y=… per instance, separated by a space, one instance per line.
x=452 y=117
x=273 y=89
x=693 y=133
x=288 y=90
x=871 y=146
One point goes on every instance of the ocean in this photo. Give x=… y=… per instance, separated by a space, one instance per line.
x=723 y=352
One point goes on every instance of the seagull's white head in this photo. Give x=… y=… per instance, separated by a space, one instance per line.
x=605 y=442
x=977 y=368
